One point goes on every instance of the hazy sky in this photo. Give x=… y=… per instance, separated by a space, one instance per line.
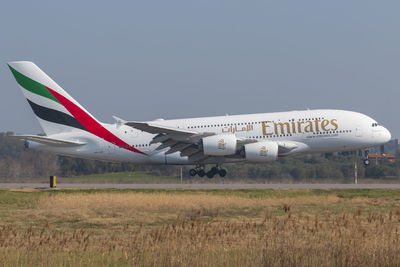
x=174 y=59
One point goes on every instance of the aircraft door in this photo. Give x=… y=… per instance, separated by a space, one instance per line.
x=358 y=131
x=180 y=126
x=133 y=133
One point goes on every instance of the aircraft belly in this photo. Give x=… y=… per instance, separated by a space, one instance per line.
x=325 y=143
x=175 y=158
x=168 y=159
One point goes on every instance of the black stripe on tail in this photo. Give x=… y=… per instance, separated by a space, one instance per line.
x=55 y=116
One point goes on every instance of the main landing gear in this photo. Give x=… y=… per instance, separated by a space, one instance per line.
x=199 y=170
x=366 y=160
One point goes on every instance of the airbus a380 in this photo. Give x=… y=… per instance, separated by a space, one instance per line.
x=71 y=130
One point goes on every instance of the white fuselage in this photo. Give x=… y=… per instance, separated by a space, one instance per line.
x=311 y=130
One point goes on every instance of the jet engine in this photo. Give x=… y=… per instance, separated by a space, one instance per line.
x=219 y=145
x=261 y=151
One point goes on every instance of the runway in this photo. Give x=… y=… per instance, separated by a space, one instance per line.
x=198 y=186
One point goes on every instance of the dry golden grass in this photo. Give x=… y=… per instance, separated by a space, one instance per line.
x=159 y=202
x=199 y=229
x=155 y=208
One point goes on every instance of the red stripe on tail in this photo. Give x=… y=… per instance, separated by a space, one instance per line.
x=91 y=124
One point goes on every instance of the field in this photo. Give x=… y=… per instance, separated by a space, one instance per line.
x=147 y=177
x=200 y=228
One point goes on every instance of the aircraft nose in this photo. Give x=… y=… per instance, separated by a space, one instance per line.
x=386 y=135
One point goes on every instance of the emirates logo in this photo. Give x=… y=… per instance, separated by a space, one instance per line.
x=221 y=144
x=263 y=151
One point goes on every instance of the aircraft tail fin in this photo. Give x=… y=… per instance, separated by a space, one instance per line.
x=55 y=109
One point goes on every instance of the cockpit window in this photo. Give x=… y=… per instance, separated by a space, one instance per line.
x=375 y=124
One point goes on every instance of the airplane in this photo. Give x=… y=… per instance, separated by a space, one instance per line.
x=254 y=138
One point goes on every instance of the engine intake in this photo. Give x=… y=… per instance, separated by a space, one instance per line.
x=261 y=151
x=219 y=145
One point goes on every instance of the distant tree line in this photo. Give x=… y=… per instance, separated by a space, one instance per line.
x=20 y=163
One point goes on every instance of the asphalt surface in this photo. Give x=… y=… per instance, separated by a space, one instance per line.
x=199 y=186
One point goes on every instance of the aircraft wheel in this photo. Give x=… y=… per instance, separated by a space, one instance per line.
x=366 y=162
x=222 y=172
x=210 y=175
x=212 y=172
x=192 y=172
x=201 y=173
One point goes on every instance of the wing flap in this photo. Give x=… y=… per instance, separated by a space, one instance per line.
x=167 y=143
x=189 y=150
x=177 y=147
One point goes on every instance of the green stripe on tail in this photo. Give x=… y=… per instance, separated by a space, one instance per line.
x=32 y=85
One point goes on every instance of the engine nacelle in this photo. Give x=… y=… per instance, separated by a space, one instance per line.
x=219 y=145
x=261 y=151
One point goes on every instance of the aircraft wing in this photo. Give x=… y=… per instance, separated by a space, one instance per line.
x=187 y=141
x=177 y=140
x=155 y=129
x=47 y=140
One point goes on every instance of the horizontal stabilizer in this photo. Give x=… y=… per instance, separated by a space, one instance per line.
x=47 y=140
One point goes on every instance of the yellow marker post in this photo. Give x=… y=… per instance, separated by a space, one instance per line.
x=53 y=182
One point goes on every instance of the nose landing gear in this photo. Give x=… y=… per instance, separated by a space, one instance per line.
x=366 y=160
x=199 y=170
